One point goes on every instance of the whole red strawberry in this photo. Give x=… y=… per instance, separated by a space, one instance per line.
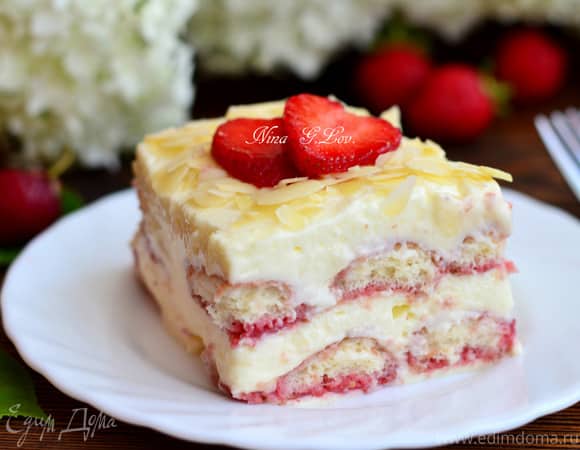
x=391 y=76
x=324 y=138
x=29 y=202
x=532 y=64
x=452 y=105
x=253 y=150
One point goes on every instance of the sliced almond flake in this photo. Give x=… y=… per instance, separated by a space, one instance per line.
x=393 y=116
x=430 y=166
x=385 y=187
x=179 y=161
x=390 y=174
x=287 y=181
x=202 y=127
x=172 y=148
x=224 y=216
x=206 y=199
x=244 y=219
x=265 y=210
x=188 y=181
x=384 y=159
x=358 y=172
x=330 y=181
x=199 y=162
x=290 y=217
x=160 y=151
x=220 y=193
x=168 y=134
x=466 y=168
x=497 y=173
x=472 y=172
x=330 y=190
x=181 y=140
x=315 y=199
x=264 y=110
x=409 y=149
x=212 y=173
x=185 y=140
x=251 y=218
x=351 y=186
x=397 y=200
x=433 y=149
x=167 y=182
x=176 y=164
x=243 y=202
x=357 y=111
x=236 y=186
x=266 y=196
x=310 y=211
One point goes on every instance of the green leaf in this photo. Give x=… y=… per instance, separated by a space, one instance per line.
x=70 y=201
x=17 y=396
x=7 y=255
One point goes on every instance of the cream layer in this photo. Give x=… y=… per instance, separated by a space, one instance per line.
x=432 y=214
x=390 y=319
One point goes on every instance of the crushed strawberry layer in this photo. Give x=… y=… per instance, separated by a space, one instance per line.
x=251 y=332
x=287 y=390
x=469 y=354
x=374 y=288
x=470 y=269
x=443 y=268
x=337 y=385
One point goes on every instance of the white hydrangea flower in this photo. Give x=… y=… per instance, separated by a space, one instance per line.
x=233 y=35
x=451 y=18
x=92 y=76
x=561 y=12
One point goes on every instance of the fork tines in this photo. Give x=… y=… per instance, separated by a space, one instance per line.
x=560 y=132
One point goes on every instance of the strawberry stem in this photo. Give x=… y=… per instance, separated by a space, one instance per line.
x=62 y=164
x=499 y=92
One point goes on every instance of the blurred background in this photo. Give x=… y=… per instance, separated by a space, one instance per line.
x=82 y=82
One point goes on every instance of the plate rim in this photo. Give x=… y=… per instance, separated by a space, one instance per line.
x=132 y=416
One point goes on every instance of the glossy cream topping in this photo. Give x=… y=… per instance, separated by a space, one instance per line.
x=304 y=231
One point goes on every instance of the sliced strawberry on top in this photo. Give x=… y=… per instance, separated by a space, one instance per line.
x=253 y=151
x=324 y=138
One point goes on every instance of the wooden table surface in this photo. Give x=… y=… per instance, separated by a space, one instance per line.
x=511 y=144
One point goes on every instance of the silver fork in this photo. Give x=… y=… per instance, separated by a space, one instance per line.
x=560 y=132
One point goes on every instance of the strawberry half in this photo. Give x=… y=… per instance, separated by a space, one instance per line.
x=253 y=150
x=324 y=138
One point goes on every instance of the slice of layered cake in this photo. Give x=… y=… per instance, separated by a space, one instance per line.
x=304 y=247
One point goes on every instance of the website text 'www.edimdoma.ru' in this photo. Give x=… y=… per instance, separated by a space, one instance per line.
x=525 y=439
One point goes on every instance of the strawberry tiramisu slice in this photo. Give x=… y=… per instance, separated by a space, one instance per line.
x=305 y=247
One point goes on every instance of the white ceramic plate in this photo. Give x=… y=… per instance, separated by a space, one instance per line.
x=77 y=315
